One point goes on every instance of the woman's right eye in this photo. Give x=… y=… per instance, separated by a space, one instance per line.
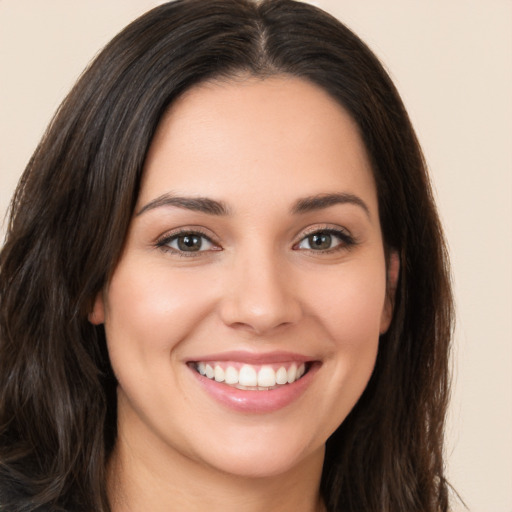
x=187 y=243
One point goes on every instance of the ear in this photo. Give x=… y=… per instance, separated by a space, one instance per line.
x=97 y=314
x=393 y=272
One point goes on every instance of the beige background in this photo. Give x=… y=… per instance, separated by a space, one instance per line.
x=452 y=62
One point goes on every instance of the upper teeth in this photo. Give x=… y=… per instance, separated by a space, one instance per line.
x=250 y=376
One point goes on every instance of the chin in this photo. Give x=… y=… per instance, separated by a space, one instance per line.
x=262 y=455
x=261 y=466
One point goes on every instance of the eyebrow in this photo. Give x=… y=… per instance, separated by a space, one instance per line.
x=197 y=204
x=219 y=208
x=321 y=201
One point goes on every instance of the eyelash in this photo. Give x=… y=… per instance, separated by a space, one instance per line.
x=346 y=241
x=164 y=242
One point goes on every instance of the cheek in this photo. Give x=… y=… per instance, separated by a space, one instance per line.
x=352 y=307
x=346 y=306
x=350 y=315
x=150 y=310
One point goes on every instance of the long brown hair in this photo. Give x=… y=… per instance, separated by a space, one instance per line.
x=70 y=215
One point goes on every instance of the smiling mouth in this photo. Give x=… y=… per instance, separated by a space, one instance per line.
x=252 y=377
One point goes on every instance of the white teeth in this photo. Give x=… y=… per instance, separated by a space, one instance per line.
x=210 y=373
x=219 y=374
x=231 y=375
x=247 y=376
x=292 y=373
x=266 y=377
x=281 y=376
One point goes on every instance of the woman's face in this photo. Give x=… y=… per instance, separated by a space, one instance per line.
x=254 y=255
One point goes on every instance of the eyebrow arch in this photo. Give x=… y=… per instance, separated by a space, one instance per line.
x=198 y=204
x=320 y=201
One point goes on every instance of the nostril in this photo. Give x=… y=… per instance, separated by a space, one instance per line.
x=259 y=312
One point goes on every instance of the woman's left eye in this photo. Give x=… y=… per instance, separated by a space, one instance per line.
x=325 y=240
x=187 y=243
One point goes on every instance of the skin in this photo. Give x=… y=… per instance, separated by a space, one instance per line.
x=258 y=146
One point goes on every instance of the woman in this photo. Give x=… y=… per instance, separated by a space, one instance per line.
x=224 y=282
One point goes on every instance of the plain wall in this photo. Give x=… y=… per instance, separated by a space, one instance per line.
x=452 y=62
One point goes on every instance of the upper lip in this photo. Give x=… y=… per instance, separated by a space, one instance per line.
x=254 y=357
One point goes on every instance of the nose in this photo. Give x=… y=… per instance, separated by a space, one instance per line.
x=260 y=295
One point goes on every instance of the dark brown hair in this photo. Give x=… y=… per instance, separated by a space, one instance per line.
x=70 y=215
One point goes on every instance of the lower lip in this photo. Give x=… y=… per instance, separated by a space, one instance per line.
x=251 y=401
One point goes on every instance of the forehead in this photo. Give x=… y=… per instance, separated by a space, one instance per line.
x=280 y=136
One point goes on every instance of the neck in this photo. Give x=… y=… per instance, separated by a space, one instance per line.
x=141 y=480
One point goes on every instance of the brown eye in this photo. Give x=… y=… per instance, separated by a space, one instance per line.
x=326 y=241
x=188 y=243
x=320 y=241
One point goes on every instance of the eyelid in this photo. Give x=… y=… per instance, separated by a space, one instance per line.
x=323 y=228
x=347 y=239
x=163 y=241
